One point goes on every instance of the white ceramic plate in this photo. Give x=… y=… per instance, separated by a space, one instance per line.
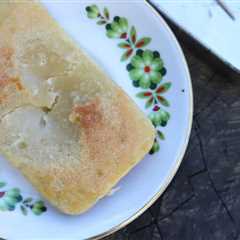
x=26 y=218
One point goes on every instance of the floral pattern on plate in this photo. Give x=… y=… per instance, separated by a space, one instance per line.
x=146 y=67
x=12 y=198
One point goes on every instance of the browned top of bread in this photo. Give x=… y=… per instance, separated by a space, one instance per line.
x=70 y=130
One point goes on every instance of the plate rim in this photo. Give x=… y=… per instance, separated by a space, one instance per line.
x=184 y=147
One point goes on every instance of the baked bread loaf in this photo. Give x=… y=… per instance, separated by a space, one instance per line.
x=63 y=122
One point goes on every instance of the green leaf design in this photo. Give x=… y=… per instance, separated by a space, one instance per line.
x=159 y=117
x=94 y=8
x=24 y=210
x=106 y=13
x=101 y=22
x=155 y=147
x=2 y=184
x=124 y=45
x=163 y=101
x=144 y=95
x=149 y=103
x=91 y=15
x=160 y=135
x=10 y=199
x=133 y=34
x=146 y=69
x=38 y=208
x=27 y=200
x=112 y=34
x=92 y=11
x=123 y=22
x=126 y=55
x=143 y=42
x=164 y=87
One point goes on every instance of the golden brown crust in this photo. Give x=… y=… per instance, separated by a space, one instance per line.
x=81 y=132
x=88 y=115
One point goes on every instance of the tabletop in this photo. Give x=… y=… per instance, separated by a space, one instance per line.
x=202 y=202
